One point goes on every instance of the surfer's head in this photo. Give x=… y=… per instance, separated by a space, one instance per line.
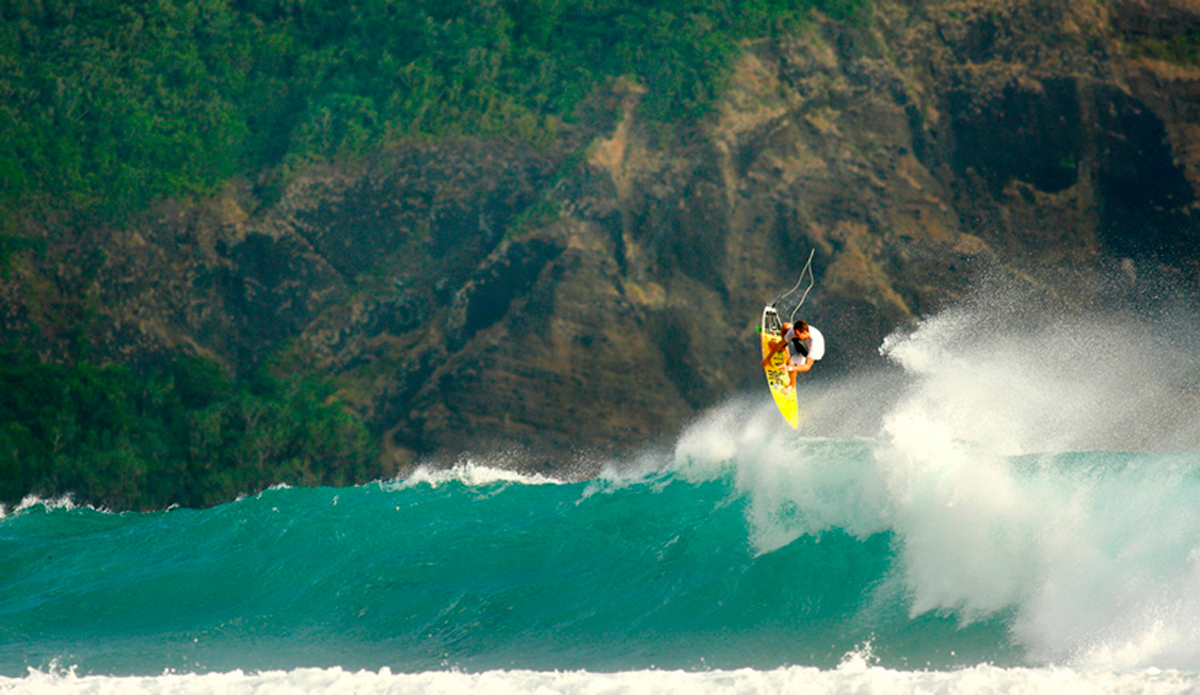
x=801 y=327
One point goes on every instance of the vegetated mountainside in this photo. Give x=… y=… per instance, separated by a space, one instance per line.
x=469 y=294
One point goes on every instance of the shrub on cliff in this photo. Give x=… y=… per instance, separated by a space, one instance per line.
x=186 y=435
x=1183 y=48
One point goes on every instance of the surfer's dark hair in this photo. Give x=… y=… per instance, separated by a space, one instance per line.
x=800 y=326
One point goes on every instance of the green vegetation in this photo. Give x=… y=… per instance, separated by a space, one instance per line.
x=1183 y=48
x=107 y=105
x=187 y=434
x=11 y=245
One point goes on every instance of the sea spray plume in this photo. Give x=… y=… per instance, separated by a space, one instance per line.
x=1099 y=561
x=1026 y=378
x=943 y=459
x=794 y=485
x=806 y=481
x=983 y=453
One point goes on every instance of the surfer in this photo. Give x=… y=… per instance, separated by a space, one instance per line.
x=805 y=344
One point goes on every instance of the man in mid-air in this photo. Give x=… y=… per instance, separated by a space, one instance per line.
x=805 y=344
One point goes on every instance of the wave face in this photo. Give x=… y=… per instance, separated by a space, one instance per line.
x=1011 y=497
x=461 y=571
x=807 y=553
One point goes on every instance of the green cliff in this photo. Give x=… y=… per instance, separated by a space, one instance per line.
x=494 y=229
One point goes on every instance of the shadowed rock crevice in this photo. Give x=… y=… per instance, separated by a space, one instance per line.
x=1030 y=131
x=486 y=297
x=1149 y=208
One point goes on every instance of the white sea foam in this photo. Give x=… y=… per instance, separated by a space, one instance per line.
x=65 y=502
x=474 y=474
x=61 y=502
x=854 y=675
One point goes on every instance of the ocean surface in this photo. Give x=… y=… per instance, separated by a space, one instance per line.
x=997 y=512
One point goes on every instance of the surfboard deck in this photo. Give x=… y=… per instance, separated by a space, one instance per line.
x=777 y=375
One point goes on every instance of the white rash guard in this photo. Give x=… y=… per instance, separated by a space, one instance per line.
x=814 y=346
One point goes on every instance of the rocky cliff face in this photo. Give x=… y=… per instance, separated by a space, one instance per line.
x=475 y=295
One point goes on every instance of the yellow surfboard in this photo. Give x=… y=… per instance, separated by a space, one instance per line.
x=777 y=375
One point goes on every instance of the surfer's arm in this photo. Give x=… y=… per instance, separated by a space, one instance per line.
x=808 y=363
x=775 y=347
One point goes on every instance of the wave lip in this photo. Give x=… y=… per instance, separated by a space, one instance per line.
x=474 y=474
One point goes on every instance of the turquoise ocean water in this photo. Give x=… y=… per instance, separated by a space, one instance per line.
x=952 y=525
